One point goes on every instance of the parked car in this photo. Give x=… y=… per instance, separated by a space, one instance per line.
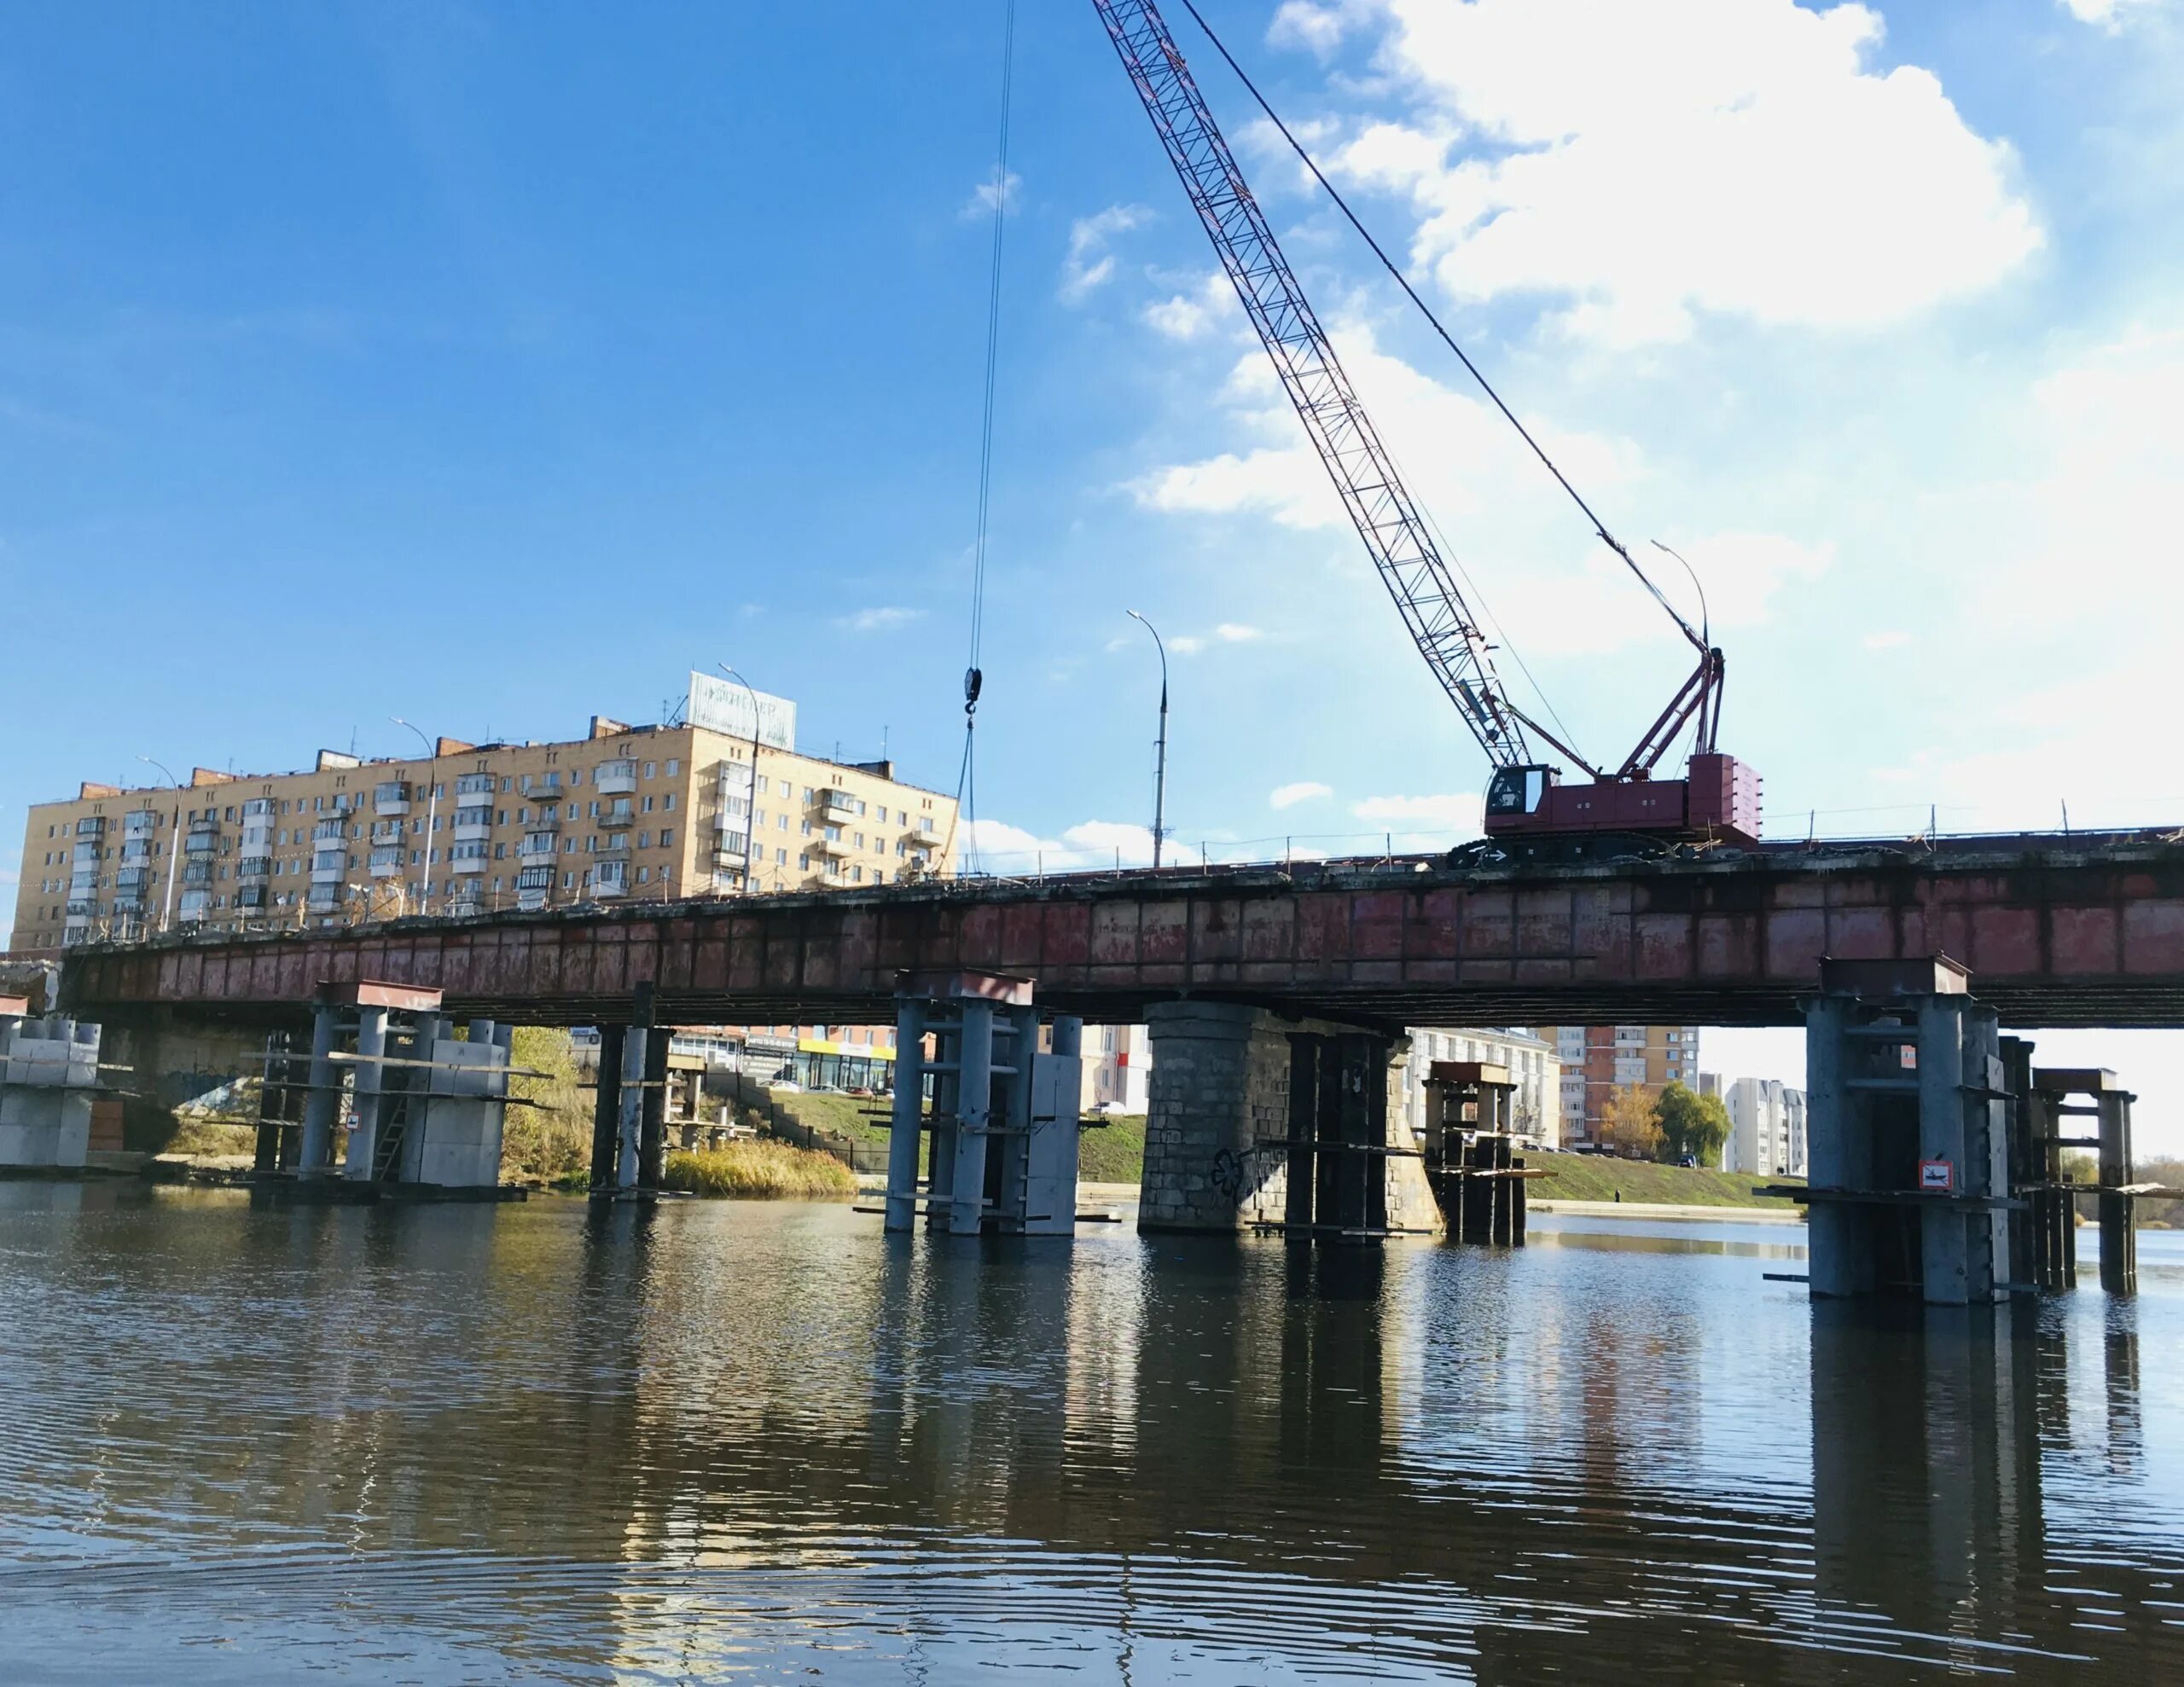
x=788 y=1084
x=1689 y=1162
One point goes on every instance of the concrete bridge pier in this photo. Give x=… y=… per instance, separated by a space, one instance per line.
x=49 y=1085
x=1288 y=1125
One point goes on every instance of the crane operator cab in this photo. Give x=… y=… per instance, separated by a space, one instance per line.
x=1514 y=792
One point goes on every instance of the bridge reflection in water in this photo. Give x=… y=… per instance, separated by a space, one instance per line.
x=416 y=1442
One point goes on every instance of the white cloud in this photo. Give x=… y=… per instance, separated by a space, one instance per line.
x=1893 y=638
x=1233 y=632
x=1417 y=824
x=1727 y=155
x=1302 y=23
x=879 y=619
x=1304 y=791
x=1004 y=192
x=1088 y=264
x=2108 y=14
x=1011 y=851
x=1192 y=316
x=1555 y=592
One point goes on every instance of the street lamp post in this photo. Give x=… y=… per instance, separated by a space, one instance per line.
x=1161 y=773
x=432 y=807
x=174 y=841
x=751 y=808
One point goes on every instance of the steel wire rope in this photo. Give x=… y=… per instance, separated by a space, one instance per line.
x=1388 y=263
x=967 y=783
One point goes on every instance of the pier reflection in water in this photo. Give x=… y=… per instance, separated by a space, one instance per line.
x=436 y=1443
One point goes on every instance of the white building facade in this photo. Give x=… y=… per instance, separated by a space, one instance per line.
x=1767 y=1128
x=1116 y=1062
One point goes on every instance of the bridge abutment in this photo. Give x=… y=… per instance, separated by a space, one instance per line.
x=1259 y=1120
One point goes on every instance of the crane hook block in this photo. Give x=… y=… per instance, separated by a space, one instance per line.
x=973 y=680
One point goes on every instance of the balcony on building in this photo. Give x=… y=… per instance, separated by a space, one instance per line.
x=607 y=878
x=254 y=869
x=203 y=838
x=532 y=887
x=831 y=846
x=330 y=832
x=85 y=910
x=386 y=863
x=251 y=896
x=139 y=823
x=324 y=899
x=91 y=825
x=136 y=849
x=387 y=832
x=132 y=877
x=836 y=805
x=84 y=855
x=466 y=901
x=615 y=779
x=197 y=873
x=537 y=846
x=193 y=905
x=391 y=797
x=614 y=844
x=329 y=864
x=472 y=825
x=472 y=784
x=731 y=850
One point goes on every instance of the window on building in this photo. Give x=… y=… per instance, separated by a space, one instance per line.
x=674 y=766
x=667 y=838
x=647 y=770
x=647 y=808
x=644 y=875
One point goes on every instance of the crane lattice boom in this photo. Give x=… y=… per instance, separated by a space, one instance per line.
x=1417 y=578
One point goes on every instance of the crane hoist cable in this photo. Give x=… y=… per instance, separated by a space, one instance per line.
x=967 y=785
x=1426 y=310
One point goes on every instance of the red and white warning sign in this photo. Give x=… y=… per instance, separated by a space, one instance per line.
x=1935 y=1177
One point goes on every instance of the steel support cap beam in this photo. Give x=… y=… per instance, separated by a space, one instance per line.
x=1001 y=988
x=371 y=993
x=1889 y=979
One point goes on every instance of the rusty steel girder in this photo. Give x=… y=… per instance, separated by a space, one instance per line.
x=2055 y=933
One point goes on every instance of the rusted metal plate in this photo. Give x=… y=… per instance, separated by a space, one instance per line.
x=376 y=993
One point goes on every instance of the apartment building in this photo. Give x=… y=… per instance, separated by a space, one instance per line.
x=1597 y=1060
x=1534 y=1067
x=1767 y=1128
x=719 y=803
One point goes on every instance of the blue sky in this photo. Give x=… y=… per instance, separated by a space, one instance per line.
x=632 y=347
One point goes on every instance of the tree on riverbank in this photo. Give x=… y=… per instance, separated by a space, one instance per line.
x=1628 y=1124
x=551 y=1142
x=1691 y=1124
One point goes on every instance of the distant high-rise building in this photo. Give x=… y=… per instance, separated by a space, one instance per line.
x=1596 y=1060
x=1767 y=1128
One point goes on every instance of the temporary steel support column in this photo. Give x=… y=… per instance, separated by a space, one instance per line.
x=322 y=1104
x=366 y=1095
x=906 y=1129
x=1002 y=1128
x=1910 y=1189
x=606 y=1110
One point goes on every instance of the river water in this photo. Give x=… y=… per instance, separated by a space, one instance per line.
x=757 y=1441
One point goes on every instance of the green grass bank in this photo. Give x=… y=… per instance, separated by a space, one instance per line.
x=1593 y=1176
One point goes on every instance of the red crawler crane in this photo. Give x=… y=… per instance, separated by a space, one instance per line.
x=1526 y=803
